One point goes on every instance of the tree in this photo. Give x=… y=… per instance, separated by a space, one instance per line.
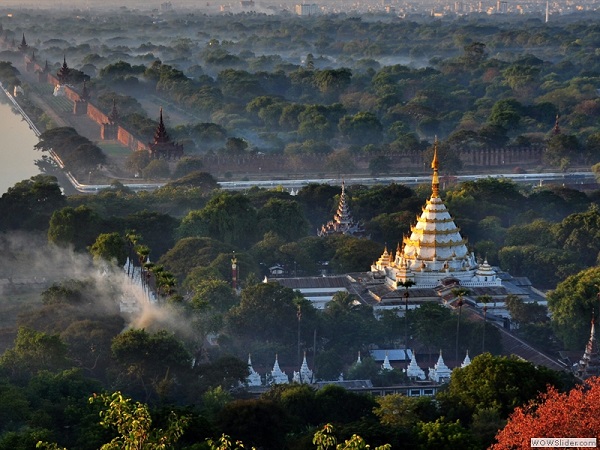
x=187 y=165
x=157 y=168
x=324 y=439
x=261 y=423
x=332 y=81
x=571 y=305
x=444 y=435
x=284 y=217
x=398 y=410
x=580 y=233
x=150 y=363
x=34 y=351
x=110 y=247
x=215 y=294
x=230 y=218
x=134 y=425
x=29 y=204
x=554 y=414
x=510 y=382
x=78 y=227
x=380 y=164
x=506 y=113
x=362 y=128
x=562 y=150
x=267 y=311
x=137 y=161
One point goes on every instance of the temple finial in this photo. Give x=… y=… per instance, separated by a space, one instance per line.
x=435 y=182
x=556 y=129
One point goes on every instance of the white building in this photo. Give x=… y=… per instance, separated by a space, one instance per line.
x=305 y=9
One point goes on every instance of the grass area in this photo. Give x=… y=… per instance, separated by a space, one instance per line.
x=59 y=104
x=114 y=149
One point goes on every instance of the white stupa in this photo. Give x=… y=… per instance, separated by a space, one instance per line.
x=413 y=370
x=253 y=379
x=277 y=375
x=305 y=376
x=386 y=363
x=466 y=361
x=440 y=372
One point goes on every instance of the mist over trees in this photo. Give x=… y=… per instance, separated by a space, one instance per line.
x=347 y=91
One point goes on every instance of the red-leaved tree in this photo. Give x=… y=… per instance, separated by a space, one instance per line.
x=575 y=414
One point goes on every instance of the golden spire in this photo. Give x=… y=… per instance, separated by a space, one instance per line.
x=435 y=182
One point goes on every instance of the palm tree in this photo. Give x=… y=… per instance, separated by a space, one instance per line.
x=485 y=299
x=459 y=293
x=406 y=285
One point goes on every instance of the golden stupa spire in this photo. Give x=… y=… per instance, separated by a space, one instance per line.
x=435 y=182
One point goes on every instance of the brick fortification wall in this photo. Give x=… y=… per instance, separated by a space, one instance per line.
x=95 y=114
x=490 y=157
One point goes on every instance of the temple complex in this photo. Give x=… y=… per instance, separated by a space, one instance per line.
x=163 y=147
x=342 y=222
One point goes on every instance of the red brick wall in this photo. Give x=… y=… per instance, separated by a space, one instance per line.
x=129 y=140
x=96 y=115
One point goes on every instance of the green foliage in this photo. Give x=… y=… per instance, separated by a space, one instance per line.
x=133 y=423
x=29 y=204
x=110 y=247
x=510 y=382
x=324 y=439
x=571 y=305
x=33 y=351
x=78 y=227
x=443 y=435
x=397 y=410
x=150 y=363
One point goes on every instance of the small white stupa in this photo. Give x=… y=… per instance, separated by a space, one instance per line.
x=305 y=376
x=414 y=371
x=277 y=375
x=253 y=379
x=386 y=363
x=466 y=361
x=440 y=372
x=358 y=360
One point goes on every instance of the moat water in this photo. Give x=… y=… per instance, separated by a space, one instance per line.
x=17 y=156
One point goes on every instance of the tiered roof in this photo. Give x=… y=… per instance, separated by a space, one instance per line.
x=386 y=363
x=113 y=116
x=440 y=372
x=589 y=365
x=63 y=73
x=163 y=147
x=23 y=46
x=342 y=222
x=413 y=370
x=277 y=375
x=466 y=361
x=253 y=379
x=305 y=375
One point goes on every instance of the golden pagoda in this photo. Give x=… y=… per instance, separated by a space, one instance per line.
x=435 y=249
